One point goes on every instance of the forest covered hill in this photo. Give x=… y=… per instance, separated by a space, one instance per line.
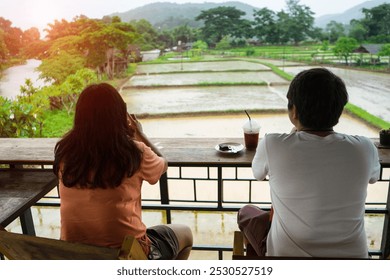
x=346 y=16
x=168 y=15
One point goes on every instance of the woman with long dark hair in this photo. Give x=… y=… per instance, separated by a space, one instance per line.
x=101 y=164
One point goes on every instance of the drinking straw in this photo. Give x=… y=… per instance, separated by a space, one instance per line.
x=247 y=115
x=250 y=120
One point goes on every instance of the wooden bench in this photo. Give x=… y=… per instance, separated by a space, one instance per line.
x=15 y=246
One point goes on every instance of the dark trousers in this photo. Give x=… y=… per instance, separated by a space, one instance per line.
x=255 y=223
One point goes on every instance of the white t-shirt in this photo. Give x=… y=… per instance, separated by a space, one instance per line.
x=318 y=191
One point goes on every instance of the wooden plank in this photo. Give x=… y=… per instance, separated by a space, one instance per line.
x=238 y=244
x=20 y=189
x=27 y=150
x=131 y=250
x=183 y=151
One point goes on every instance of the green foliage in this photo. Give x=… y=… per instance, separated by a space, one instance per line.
x=224 y=44
x=65 y=96
x=385 y=51
x=344 y=47
x=19 y=119
x=299 y=22
x=376 y=20
x=220 y=22
x=325 y=45
x=250 y=52
x=57 y=68
x=57 y=123
x=334 y=31
x=198 y=48
x=3 y=46
x=357 y=30
x=208 y=84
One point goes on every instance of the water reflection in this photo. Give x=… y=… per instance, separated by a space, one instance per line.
x=15 y=76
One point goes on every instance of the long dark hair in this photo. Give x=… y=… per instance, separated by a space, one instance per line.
x=98 y=152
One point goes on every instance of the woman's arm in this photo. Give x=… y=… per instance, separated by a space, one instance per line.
x=141 y=136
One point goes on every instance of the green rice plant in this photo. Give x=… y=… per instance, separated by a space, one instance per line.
x=369 y=118
x=206 y=84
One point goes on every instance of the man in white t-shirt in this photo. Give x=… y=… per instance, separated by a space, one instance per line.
x=318 y=177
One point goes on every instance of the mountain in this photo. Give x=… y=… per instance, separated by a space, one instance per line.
x=352 y=13
x=166 y=15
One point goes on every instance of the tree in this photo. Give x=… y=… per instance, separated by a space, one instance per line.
x=3 y=46
x=357 y=30
x=385 y=51
x=57 y=68
x=300 y=21
x=12 y=37
x=265 y=26
x=31 y=35
x=344 y=47
x=184 y=33
x=283 y=25
x=97 y=44
x=376 y=22
x=166 y=39
x=102 y=43
x=223 y=44
x=293 y=24
x=200 y=45
x=220 y=22
x=334 y=31
x=148 y=35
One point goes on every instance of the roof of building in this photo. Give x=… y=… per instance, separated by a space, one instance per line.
x=369 y=48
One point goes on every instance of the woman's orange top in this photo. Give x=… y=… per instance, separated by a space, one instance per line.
x=103 y=217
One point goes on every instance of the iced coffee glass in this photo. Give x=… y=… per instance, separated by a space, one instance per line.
x=251 y=134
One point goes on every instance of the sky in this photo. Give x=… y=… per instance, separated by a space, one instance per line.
x=38 y=13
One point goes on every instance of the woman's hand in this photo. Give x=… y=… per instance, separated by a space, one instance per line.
x=139 y=135
x=135 y=125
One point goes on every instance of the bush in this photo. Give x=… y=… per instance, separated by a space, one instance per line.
x=250 y=52
x=19 y=119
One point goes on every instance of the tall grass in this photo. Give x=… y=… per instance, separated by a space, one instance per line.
x=57 y=123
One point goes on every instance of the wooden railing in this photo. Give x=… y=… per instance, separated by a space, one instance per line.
x=215 y=183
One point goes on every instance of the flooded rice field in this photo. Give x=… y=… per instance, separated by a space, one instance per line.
x=367 y=90
x=230 y=125
x=201 y=66
x=196 y=78
x=160 y=100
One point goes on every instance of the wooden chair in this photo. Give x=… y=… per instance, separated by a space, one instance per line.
x=238 y=246
x=239 y=252
x=16 y=246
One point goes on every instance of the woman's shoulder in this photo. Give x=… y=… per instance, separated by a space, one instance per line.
x=140 y=145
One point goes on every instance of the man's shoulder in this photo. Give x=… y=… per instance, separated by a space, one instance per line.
x=278 y=136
